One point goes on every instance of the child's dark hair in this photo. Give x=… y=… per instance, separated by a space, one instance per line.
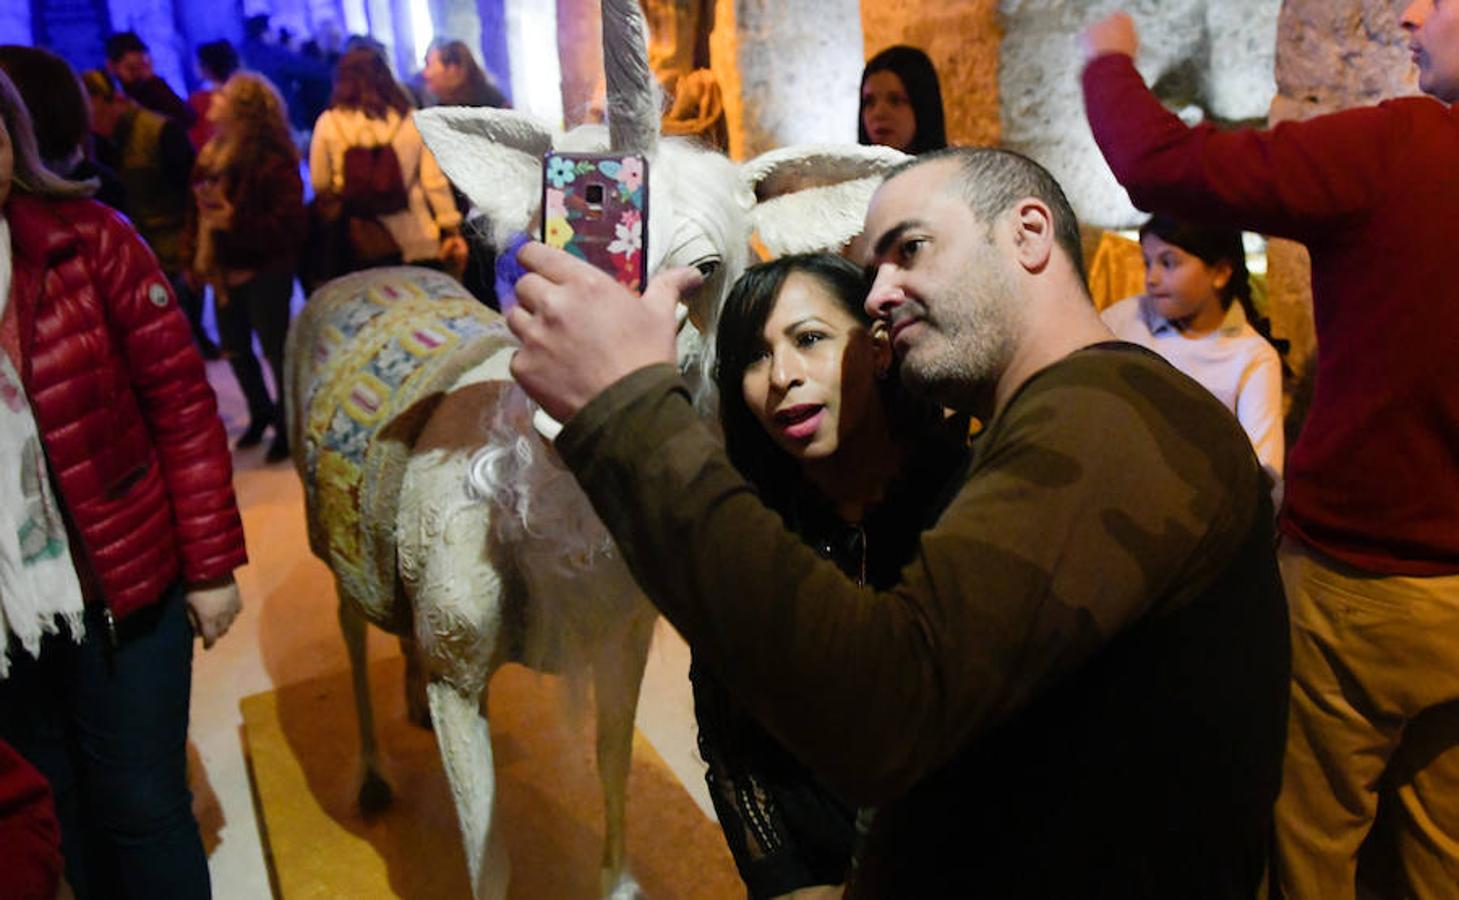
x=739 y=338
x=1213 y=244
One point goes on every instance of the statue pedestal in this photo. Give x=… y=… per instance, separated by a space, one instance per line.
x=302 y=745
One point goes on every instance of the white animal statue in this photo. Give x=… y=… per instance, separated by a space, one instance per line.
x=444 y=515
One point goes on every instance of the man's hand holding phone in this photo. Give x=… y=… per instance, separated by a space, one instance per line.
x=581 y=330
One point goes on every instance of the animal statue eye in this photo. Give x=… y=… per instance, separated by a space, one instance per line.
x=707 y=267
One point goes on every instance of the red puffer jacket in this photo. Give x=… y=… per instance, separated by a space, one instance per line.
x=129 y=422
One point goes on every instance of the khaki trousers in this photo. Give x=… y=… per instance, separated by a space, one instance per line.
x=1375 y=689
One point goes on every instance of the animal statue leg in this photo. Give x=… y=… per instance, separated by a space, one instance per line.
x=417 y=707
x=465 y=742
x=375 y=793
x=617 y=674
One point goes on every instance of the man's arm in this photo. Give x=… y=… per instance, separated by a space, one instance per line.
x=1297 y=177
x=1063 y=535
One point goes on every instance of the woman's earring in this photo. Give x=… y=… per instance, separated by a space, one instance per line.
x=881 y=338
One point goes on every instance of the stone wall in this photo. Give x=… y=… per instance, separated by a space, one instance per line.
x=1331 y=55
x=789 y=71
x=1206 y=57
x=962 y=38
x=580 y=54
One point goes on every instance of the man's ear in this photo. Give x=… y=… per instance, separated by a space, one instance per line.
x=1033 y=233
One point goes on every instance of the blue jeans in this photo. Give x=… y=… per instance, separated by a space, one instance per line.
x=107 y=725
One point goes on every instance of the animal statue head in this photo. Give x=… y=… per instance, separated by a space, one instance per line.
x=704 y=208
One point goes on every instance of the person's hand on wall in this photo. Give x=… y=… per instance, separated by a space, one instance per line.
x=212 y=606
x=581 y=331
x=1114 y=33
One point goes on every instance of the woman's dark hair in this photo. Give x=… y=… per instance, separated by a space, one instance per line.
x=477 y=90
x=59 y=109
x=740 y=335
x=219 y=60
x=1212 y=244
x=920 y=79
x=363 y=81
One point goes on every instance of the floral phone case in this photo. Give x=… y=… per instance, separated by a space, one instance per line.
x=595 y=206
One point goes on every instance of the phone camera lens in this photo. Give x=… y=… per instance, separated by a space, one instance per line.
x=594 y=194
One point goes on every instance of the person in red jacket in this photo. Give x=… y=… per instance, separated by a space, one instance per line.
x=30 y=839
x=119 y=532
x=1370 y=523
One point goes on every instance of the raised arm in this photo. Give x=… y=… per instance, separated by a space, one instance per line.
x=1288 y=181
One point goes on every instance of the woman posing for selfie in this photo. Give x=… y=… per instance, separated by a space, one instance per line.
x=814 y=418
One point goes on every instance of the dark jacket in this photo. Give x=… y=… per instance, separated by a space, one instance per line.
x=784 y=828
x=156 y=94
x=269 y=223
x=1077 y=687
x=125 y=412
x=151 y=155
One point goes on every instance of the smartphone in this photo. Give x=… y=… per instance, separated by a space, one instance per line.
x=595 y=206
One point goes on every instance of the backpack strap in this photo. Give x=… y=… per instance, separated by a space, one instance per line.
x=390 y=140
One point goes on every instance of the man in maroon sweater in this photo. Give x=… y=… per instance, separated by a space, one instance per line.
x=1370 y=548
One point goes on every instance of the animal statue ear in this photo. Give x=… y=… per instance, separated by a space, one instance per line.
x=494 y=157
x=814 y=198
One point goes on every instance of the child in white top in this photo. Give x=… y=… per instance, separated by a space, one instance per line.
x=1196 y=312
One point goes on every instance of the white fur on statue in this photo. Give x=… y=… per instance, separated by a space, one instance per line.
x=498 y=552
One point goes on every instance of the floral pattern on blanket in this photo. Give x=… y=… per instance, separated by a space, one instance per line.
x=389 y=339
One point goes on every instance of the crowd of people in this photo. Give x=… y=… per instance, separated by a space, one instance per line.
x=1120 y=642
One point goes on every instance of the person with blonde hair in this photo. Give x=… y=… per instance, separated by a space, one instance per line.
x=246 y=225
x=119 y=530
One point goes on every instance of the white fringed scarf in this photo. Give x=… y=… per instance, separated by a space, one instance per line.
x=38 y=584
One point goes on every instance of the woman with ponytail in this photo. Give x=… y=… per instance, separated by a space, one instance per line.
x=1197 y=313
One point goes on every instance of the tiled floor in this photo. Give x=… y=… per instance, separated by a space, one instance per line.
x=287 y=633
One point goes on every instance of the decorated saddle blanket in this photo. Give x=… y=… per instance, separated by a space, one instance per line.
x=369 y=359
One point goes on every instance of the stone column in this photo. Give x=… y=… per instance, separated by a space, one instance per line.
x=724 y=61
x=798 y=67
x=494 y=55
x=1200 y=59
x=580 y=53
x=15 y=24
x=962 y=38
x=1331 y=55
x=458 y=20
